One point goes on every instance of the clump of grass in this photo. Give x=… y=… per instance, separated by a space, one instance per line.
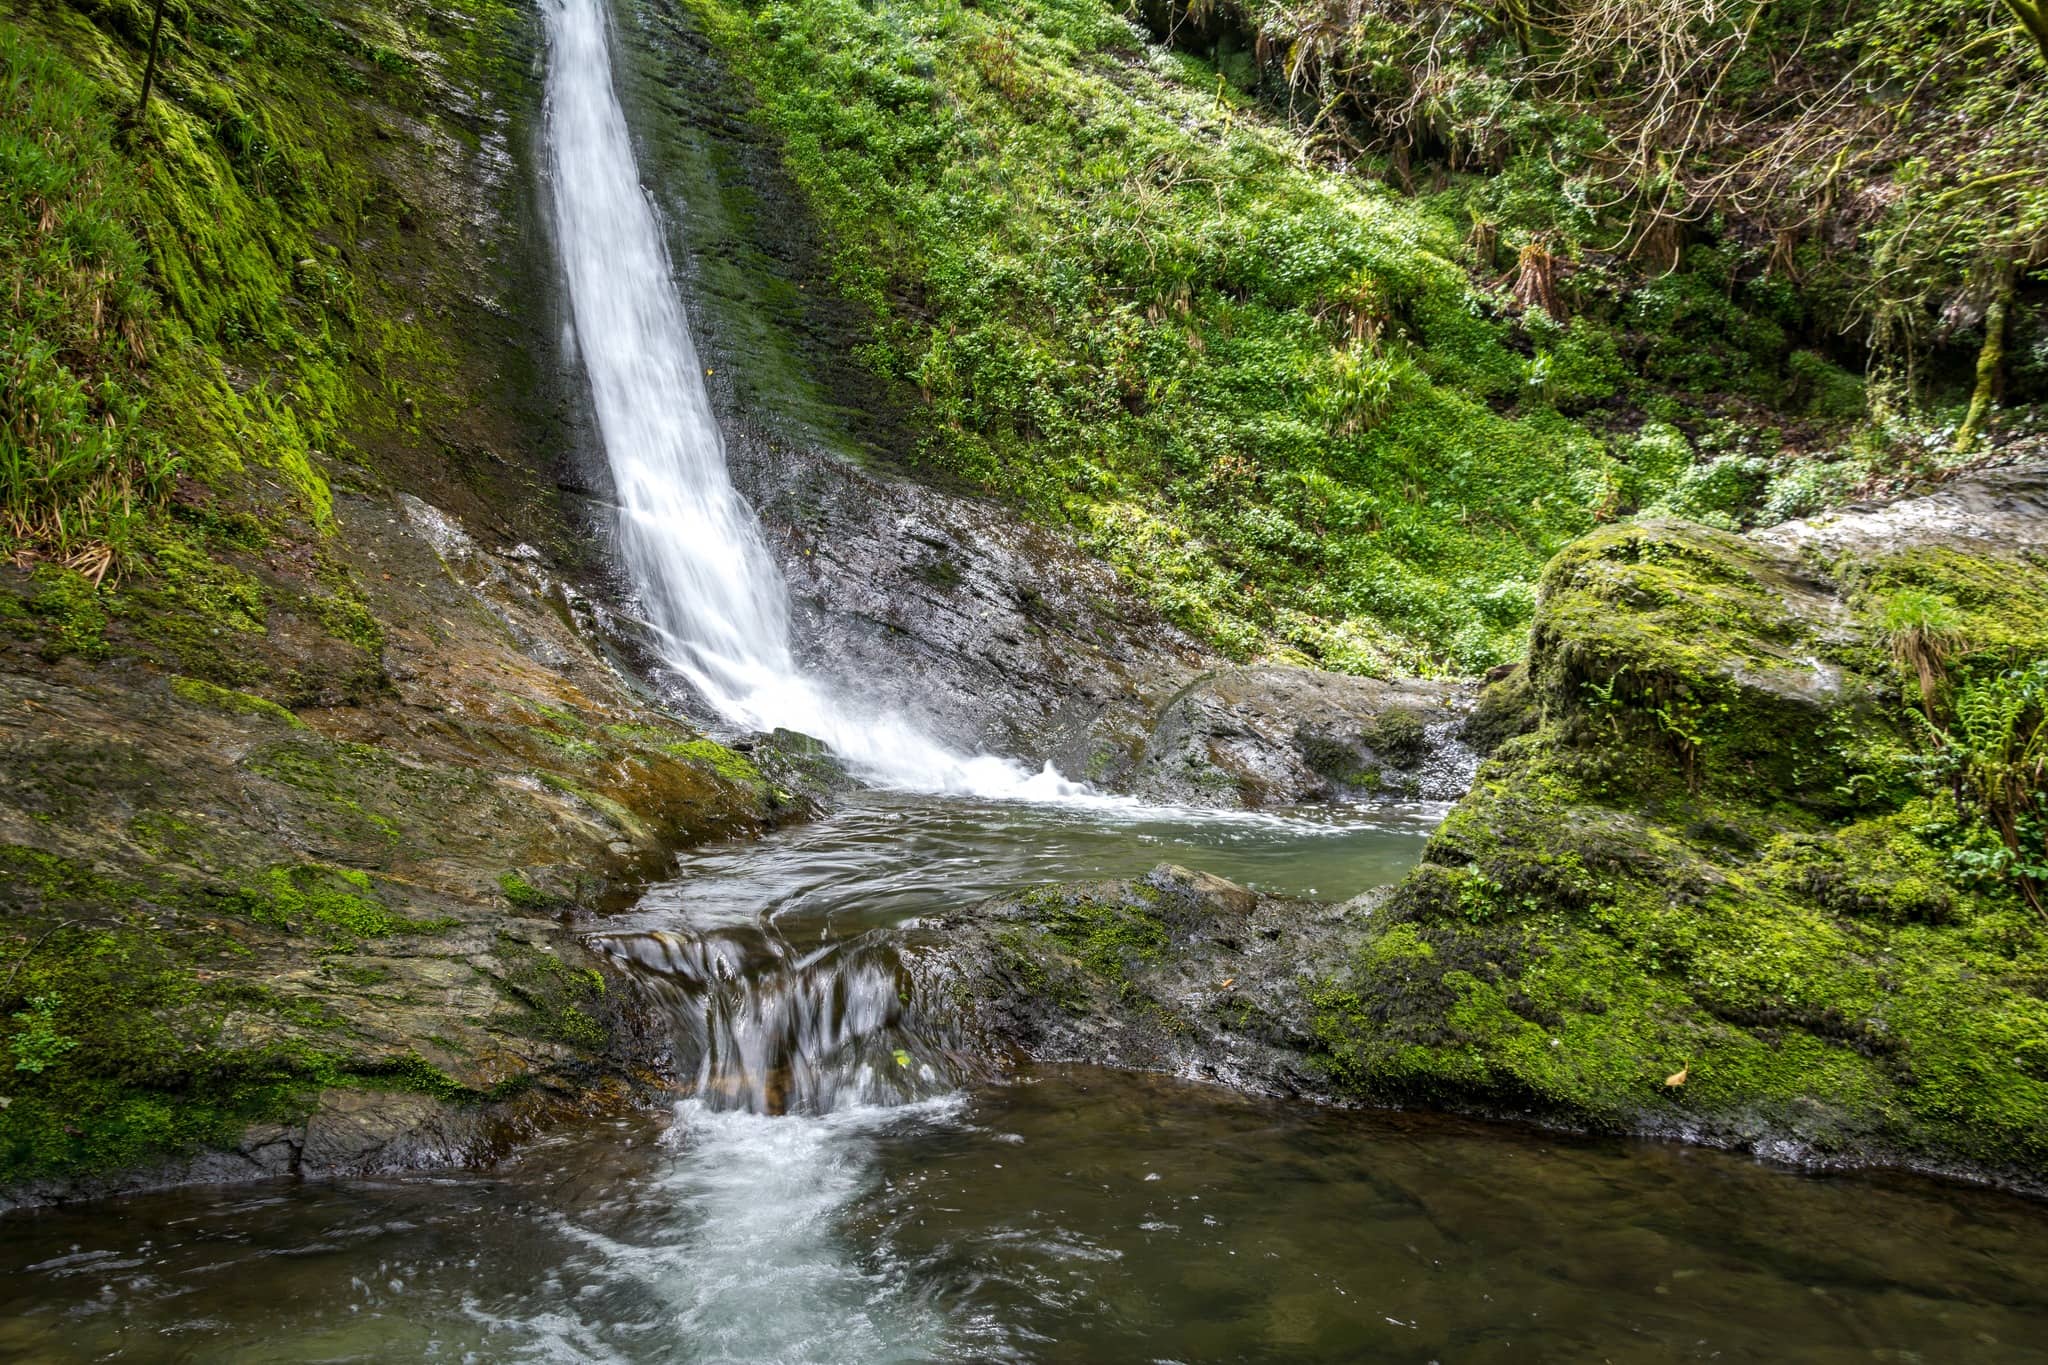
x=1923 y=630
x=76 y=312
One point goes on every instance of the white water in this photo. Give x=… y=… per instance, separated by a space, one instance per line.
x=694 y=546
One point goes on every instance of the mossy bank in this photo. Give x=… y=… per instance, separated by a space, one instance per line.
x=1756 y=861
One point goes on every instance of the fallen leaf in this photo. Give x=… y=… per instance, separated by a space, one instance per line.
x=1677 y=1078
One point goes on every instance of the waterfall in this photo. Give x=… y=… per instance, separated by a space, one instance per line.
x=761 y=1027
x=695 y=549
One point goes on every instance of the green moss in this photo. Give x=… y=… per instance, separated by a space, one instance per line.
x=62 y=611
x=524 y=895
x=710 y=754
x=334 y=903
x=1798 y=929
x=556 y=1001
x=76 y=312
x=413 y=1073
x=199 y=692
x=120 y=1017
x=568 y=746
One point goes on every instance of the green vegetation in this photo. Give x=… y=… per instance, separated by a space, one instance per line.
x=105 y=1017
x=76 y=314
x=1267 y=394
x=185 y=341
x=1739 y=195
x=1735 y=842
x=563 y=1004
x=1318 y=416
x=202 y=693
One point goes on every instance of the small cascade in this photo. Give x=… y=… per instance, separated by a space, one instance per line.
x=762 y=1028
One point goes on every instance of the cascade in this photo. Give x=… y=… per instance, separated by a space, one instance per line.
x=693 y=546
x=763 y=1028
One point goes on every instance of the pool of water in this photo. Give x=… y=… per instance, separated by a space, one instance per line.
x=1061 y=1214
x=882 y=859
x=1072 y=1215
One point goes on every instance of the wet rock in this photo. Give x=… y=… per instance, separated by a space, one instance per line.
x=996 y=634
x=357 y=1132
x=1273 y=735
x=1177 y=971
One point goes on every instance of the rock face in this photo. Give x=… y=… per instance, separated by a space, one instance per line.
x=1270 y=735
x=1004 y=636
x=345 y=925
x=1177 y=971
x=995 y=632
x=1730 y=875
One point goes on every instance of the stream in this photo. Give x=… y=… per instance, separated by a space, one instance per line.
x=837 y=1180
x=1053 y=1214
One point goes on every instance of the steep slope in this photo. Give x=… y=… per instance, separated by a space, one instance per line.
x=1095 y=286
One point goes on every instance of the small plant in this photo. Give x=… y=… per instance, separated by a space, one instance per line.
x=1999 y=745
x=38 y=1045
x=1924 y=631
x=1479 y=895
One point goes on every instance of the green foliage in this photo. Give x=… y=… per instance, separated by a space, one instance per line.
x=1260 y=391
x=175 y=299
x=37 y=1043
x=1994 y=755
x=77 y=315
x=1715 y=493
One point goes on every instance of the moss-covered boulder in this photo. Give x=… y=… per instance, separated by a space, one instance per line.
x=1744 y=878
x=1756 y=860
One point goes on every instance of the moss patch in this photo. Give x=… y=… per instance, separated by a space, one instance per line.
x=199 y=692
x=1727 y=851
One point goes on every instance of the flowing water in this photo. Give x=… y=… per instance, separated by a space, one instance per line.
x=840 y=1180
x=1059 y=1214
x=694 y=547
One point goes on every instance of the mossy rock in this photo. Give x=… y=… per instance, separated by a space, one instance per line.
x=1719 y=885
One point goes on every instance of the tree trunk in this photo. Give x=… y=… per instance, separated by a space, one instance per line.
x=156 y=28
x=1989 y=360
x=2033 y=17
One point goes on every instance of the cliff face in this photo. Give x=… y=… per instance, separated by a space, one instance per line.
x=1730 y=873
